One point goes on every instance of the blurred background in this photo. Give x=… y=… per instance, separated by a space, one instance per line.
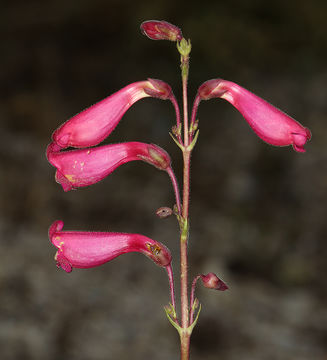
x=258 y=213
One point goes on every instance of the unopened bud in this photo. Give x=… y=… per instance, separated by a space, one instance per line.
x=211 y=281
x=161 y=30
x=184 y=47
x=164 y=212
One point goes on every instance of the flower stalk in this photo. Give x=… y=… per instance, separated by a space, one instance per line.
x=184 y=48
x=88 y=164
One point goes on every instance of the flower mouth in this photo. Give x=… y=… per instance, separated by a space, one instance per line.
x=299 y=140
x=159 y=254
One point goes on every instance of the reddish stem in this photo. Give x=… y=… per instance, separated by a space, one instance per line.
x=185 y=211
x=171 y=285
x=178 y=117
x=185 y=333
x=176 y=189
x=196 y=103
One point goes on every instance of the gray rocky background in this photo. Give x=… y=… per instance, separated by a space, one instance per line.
x=258 y=216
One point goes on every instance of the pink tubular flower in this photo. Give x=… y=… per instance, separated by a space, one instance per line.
x=93 y=125
x=269 y=123
x=83 y=167
x=161 y=30
x=82 y=249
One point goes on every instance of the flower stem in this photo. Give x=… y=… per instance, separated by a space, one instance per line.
x=193 y=297
x=178 y=119
x=184 y=241
x=176 y=190
x=185 y=345
x=193 y=115
x=185 y=333
x=171 y=285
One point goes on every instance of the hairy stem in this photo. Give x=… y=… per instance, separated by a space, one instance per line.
x=184 y=240
x=184 y=333
x=185 y=345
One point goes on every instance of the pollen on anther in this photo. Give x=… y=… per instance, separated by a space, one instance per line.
x=155 y=249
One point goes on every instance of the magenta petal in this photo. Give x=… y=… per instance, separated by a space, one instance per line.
x=62 y=262
x=83 y=167
x=55 y=227
x=93 y=125
x=81 y=249
x=269 y=123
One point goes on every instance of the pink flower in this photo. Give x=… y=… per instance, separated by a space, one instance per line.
x=269 y=123
x=161 y=30
x=211 y=281
x=94 y=124
x=81 y=249
x=83 y=167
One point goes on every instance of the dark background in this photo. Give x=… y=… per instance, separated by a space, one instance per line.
x=258 y=213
